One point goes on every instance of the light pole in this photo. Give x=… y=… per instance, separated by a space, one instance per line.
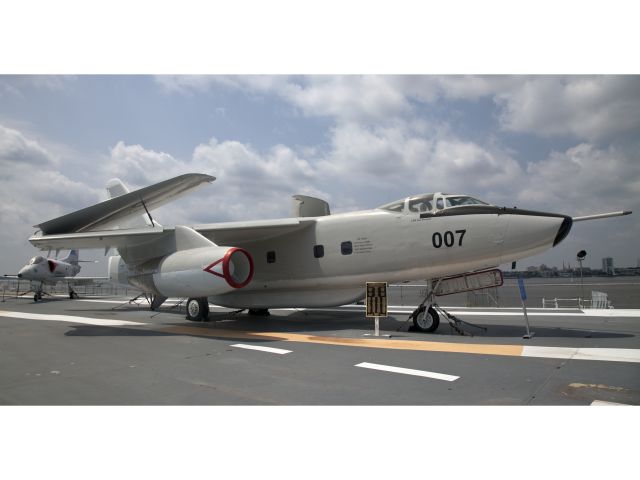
x=581 y=255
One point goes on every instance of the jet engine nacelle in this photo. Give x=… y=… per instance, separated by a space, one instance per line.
x=204 y=271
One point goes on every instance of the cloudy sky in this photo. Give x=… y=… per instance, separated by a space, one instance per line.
x=566 y=144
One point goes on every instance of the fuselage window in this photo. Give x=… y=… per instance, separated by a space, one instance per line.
x=318 y=251
x=271 y=257
x=439 y=204
x=346 y=248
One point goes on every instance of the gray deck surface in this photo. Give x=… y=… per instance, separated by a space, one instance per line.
x=167 y=360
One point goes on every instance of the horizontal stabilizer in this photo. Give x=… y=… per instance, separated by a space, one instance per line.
x=109 y=213
x=602 y=215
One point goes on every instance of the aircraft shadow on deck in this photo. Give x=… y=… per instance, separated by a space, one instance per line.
x=315 y=322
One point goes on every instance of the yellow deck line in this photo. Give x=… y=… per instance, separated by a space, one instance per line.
x=481 y=349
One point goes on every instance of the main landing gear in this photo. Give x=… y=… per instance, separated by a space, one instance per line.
x=198 y=309
x=38 y=293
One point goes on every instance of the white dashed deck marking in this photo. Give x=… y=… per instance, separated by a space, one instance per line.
x=279 y=351
x=408 y=371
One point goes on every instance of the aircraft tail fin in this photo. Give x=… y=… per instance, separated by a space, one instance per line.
x=72 y=258
x=116 y=188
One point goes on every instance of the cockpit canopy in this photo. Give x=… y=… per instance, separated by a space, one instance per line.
x=36 y=260
x=431 y=203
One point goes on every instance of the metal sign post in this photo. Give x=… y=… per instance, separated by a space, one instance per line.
x=376 y=303
x=523 y=297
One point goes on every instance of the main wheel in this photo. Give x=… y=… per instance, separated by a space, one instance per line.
x=197 y=309
x=36 y=298
x=73 y=295
x=426 y=320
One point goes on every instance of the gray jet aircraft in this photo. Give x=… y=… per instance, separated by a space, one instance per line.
x=313 y=259
x=41 y=271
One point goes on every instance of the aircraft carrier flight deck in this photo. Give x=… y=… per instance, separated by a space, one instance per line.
x=107 y=351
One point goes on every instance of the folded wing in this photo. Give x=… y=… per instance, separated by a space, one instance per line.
x=108 y=214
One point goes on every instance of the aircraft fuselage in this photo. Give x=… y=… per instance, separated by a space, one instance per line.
x=328 y=263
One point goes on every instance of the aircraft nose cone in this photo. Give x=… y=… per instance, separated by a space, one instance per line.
x=564 y=230
x=24 y=272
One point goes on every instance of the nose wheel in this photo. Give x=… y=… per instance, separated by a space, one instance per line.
x=198 y=309
x=426 y=319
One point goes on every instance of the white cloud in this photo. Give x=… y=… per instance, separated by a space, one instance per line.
x=140 y=166
x=32 y=190
x=596 y=108
x=404 y=160
x=251 y=184
x=584 y=179
x=17 y=149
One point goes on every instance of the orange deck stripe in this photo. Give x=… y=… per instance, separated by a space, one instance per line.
x=481 y=349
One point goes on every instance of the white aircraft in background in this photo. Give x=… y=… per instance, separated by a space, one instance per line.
x=41 y=271
x=313 y=259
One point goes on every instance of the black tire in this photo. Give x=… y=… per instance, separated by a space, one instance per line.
x=426 y=321
x=36 y=298
x=197 y=309
x=73 y=295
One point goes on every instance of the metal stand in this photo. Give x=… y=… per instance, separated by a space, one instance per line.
x=376 y=330
x=529 y=333
x=176 y=305
x=523 y=297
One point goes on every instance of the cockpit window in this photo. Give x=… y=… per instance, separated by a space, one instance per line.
x=421 y=204
x=425 y=203
x=38 y=259
x=394 y=206
x=463 y=200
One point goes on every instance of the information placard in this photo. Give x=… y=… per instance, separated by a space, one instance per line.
x=376 y=299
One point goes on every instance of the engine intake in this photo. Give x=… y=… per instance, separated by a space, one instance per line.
x=237 y=267
x=204 y=271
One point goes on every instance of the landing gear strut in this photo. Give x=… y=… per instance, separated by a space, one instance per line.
x=198 y=309
x=38 y=293
x=425 y=317
x=72 y=293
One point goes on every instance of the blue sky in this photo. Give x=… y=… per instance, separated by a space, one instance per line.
x=565 y=144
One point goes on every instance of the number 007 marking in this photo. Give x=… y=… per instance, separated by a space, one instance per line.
x=447 y=238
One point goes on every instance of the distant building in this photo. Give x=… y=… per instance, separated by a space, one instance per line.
x=607 y=266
